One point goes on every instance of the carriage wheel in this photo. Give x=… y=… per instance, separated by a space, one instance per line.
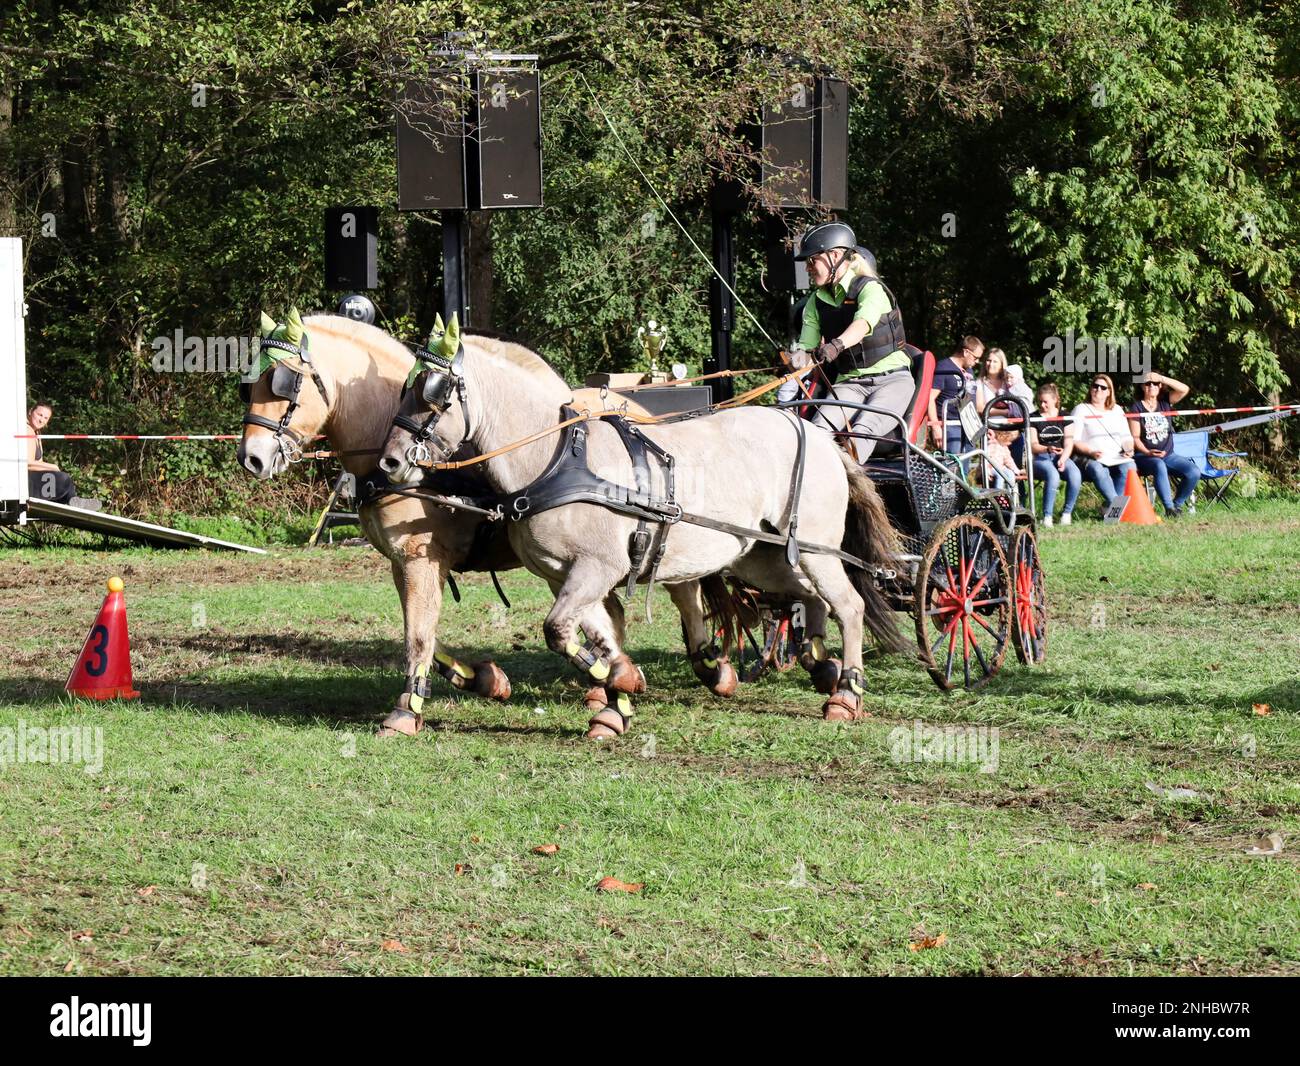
x=1029 y=599
x=962 y=605
x=780 y=649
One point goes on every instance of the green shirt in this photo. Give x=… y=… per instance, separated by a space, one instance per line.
x=872 y=307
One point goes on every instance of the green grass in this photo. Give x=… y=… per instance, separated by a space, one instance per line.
x=767 y=840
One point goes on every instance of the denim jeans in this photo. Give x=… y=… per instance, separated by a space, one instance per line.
x=1110 y=479
x=1183 y=468
x=1045 y=471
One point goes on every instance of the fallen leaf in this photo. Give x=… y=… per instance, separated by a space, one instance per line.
x=1059 y=893
x=395 y=945
x=1263 y=710
x=68 y=968
x=85 y=934
x=460 y=869
x=1146 y=886
x=1269 y=845
x=1213 y=666
x=148 y=890
x=927 y=942
x=476 y=840
x=546 y=849
x=613 y=884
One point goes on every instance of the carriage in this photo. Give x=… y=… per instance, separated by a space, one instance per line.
x=969 y=571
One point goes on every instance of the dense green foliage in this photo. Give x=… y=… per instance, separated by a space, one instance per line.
x=1115 y=167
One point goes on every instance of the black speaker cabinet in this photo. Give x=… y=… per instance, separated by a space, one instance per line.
x=787 y=147
x=505 y=160
x=831 y=141
x=431 y=146
x=351 y=247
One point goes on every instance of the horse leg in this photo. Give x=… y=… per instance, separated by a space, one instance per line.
x=822 y=667
x=418 y=575
x=580 y=603
x=833 y=585
x=710 y=663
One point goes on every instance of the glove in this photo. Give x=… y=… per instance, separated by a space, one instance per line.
x=827 y=352
x=800 y=358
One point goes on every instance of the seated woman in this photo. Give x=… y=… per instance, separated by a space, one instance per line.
x=1155 y=440
x=1101 y=435
x=1052 y=461
x=45 y=481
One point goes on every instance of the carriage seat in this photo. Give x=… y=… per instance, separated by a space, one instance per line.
x=915 y=415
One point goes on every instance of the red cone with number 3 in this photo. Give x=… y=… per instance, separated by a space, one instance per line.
x=103 y=669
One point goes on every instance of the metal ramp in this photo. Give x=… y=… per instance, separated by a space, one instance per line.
x=130 y=528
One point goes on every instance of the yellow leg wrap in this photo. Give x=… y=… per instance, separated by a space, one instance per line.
x=452 y=664
x=416 y=701
x=584 y=660
x=624 y=705
x=819 y=649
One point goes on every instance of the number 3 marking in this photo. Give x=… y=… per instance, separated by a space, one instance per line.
x=100 y=649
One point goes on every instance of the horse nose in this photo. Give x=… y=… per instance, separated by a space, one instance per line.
x=390 y=464
x=253 y=463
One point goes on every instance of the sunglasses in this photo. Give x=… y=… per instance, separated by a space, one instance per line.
x=1100 y=385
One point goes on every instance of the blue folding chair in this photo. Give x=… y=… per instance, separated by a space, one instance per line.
x=1194 y=444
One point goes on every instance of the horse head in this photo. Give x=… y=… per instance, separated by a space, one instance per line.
x=281 y=416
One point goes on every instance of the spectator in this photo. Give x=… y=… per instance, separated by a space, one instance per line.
x=999 y=464
x=999 y=378
x=952 y=381
x=1052 y=461
x=45 y=481
x=1101 y=435
x=1155 y=456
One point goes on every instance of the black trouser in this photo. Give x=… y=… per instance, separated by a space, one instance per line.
x=52 y=485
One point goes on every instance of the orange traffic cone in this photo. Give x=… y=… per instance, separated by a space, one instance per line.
x=1139 y=511
x=103 y=669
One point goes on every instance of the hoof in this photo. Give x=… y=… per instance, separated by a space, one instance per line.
x=490 y=681
x=596 y=699
x=605 y=725
x=401 y=723
x=624 y=676
x=842 y=707
x=724 y=684
x=825 y=675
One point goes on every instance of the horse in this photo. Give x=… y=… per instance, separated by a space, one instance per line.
x=735 y=468
x=359 y=372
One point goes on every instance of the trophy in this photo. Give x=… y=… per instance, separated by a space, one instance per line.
x=653 y=341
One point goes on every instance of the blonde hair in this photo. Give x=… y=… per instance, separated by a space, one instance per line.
x=1001 y=357
x=1110 y=389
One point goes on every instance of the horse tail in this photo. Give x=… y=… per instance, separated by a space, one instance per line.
x=869 y=534
x=722 y=611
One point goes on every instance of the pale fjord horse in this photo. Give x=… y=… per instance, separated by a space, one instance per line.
x=735 y=466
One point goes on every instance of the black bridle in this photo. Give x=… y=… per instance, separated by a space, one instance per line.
x=285 y=384
x=439 y=380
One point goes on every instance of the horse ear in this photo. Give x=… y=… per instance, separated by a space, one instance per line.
x=268 y=324
x=293 y=328
x=451 y=339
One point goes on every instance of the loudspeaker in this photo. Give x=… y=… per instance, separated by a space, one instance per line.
x=831 y=141
x=782 y=272
x=787 y=148
x=351 y=247
x=505 y=159
x=431 y=146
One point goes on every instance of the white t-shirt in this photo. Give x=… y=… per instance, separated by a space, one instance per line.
x=1107 y=434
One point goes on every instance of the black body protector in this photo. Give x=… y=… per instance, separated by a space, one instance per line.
x=885 y=339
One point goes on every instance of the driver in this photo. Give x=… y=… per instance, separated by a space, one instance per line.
x=853 y=327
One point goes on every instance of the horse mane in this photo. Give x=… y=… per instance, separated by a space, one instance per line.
x=371 y=337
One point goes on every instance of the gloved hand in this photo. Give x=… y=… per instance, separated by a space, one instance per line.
x=800 y=358
x=827 y=352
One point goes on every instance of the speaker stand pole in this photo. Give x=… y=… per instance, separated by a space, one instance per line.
x=722 y=305
x=455 y=294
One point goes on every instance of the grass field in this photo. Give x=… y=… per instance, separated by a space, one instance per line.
x=246 y=820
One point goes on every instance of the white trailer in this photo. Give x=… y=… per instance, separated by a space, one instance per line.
x=13 y=384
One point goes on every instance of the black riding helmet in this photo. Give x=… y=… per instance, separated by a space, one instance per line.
x=825 y=237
